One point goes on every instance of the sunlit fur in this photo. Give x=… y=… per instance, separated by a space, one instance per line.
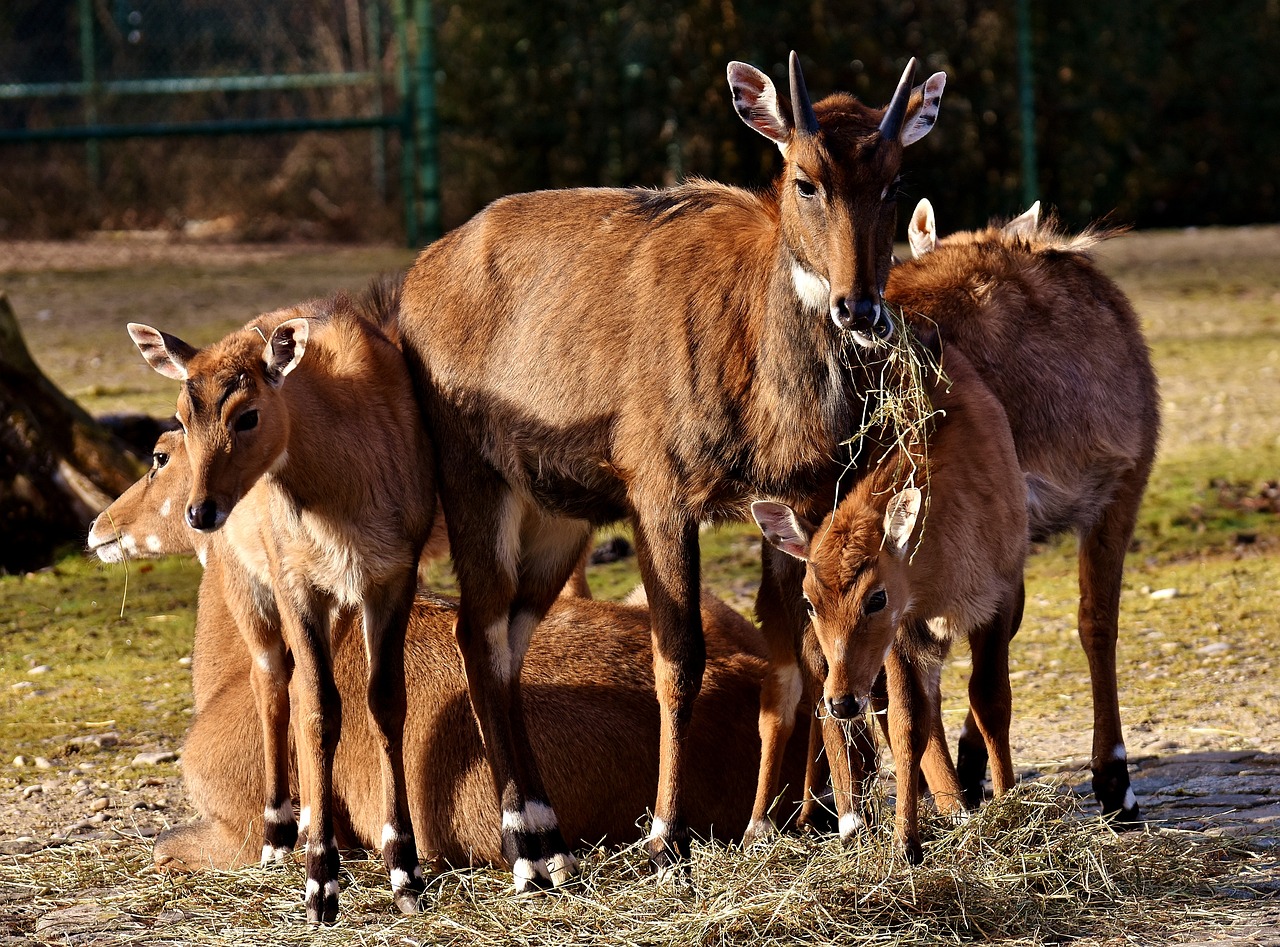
x=1060 y=346
x=960 y=569
x=626 y=353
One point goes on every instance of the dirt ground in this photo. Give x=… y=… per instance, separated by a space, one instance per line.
x=1216 y=771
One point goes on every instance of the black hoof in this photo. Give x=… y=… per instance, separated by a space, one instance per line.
x=971 y=767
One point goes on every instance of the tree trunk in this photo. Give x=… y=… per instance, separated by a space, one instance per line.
x=58 y=466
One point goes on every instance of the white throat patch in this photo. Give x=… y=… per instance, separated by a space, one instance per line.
x=814 y=291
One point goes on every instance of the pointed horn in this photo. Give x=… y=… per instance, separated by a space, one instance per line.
x=891 y=124
x=801 y=109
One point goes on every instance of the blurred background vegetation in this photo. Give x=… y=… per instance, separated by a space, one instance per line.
x=1162 y=112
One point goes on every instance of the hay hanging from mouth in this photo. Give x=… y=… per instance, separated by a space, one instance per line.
x=898 y=413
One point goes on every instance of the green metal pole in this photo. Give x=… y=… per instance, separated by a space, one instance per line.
x=88 y=74
x=1030 y=180
x=408 y=150
x=373 y=53
x=428 y=169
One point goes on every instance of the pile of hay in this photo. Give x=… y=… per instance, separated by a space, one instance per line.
x=1030 y=868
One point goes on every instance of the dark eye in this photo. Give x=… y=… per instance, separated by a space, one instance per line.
x=247 y=421
x=808 y=604
x=158 y=460
x=892 y=191
x=806 y=188
x=875 y=602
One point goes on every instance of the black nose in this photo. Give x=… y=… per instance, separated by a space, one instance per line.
x=846 y=707
x=203 y=516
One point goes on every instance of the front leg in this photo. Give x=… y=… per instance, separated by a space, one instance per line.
x=909 y=722
x=781 y=610
x=317 y=722
x=667 y=553
x=386 y=616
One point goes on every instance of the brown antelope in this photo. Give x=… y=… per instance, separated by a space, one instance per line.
x=881 y=599
x=306 y=448
x=722 y=321
x=1061 y=348
x=592 y=716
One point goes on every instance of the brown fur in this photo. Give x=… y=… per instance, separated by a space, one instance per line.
x=306 y=450
x=588 y=355
x=591 y=712
x=1060 y=346
x=949 y=572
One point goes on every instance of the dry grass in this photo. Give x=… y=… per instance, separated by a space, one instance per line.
x=1029 y=869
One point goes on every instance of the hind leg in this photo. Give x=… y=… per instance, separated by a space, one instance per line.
x=971 y=748
x=1102 y=551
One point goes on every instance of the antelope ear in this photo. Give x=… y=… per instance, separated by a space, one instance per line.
x=166 y=353
x=782 y=528
x=900 y=519
x=1024 y=225
x=922 y=111
x=922 y=232
x=756 y=102
x=285 y=348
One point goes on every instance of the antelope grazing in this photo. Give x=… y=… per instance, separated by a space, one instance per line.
x=588 y=355
x=880 y=599
x=1061 y=348
x=592 y=717
x=307 y=450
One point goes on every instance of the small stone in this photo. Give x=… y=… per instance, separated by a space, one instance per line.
x=185 y=661
x=23 y=685
x=1162 y=594
x=155 y=758
x=42 y=763
x=22 y=845
x=1218 y=647
x=31 y=791
x=40 y=669
x=99 y=804
x=86 y=766
x=19 y=761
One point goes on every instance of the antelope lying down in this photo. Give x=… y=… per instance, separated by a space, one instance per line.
x=1061 y=348
x=927 y=547
x=665 y=356
x=593 y=720
x=307 y=452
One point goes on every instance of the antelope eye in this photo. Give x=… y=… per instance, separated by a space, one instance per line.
x=247 y=421
x=159 y=459
x=806 y=188
x=891 y=192
x=876 y=601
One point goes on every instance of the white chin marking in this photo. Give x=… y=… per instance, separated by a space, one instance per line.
x=1130 y=800
x=813 y=290
x=110 y=554
x=850 y=823
x=658 y=830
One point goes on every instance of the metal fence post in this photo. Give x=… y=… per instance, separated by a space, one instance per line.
x=88 y=74
x=1030 y=179
x=408 y=144
x=428 y=170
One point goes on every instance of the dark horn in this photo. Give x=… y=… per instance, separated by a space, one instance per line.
x=801 y=109
x=891 y=124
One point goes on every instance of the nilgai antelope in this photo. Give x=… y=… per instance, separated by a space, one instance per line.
x=592 y=716
x=307 y=450
x=1060 y=346
x=588 y=355
x=929 y=546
